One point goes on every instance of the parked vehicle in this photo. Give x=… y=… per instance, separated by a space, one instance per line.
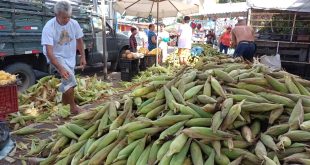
x=21 y=25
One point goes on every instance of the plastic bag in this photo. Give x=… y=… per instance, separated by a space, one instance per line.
x=273 y=62
x=4 y=134
x=197 y=51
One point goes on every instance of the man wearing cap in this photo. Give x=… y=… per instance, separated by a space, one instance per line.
x=243 y=41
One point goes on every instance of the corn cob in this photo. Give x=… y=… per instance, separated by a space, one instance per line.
x=169 y=96
x=260 y=150
x=216 y=86
x=268 y=141
x=196 y=154
x=207 y=88
x=206 y=133
x=233 y=113
x=134 y=156
x=170 y=120
x=223 y=76
x=171 y=130
x=180 y=157
x=124 y=153
x=144 y=156
x=211 y=159
x=297 y=116
x=177 y=144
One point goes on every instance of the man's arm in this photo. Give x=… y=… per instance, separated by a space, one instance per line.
x=80 y=47
x=154 y=39
x=50 y=55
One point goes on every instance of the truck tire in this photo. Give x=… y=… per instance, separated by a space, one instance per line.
x=25 y=75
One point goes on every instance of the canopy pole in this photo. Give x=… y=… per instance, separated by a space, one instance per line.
x=294 y=24
x=104 y=42
x=157 y=42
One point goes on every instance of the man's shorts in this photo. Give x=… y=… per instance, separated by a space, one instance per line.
x=71 y=81
x=183 y=52
x=246 y=50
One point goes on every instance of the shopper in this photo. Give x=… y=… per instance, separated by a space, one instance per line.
x=185 y=33
x=142 y=38
x=210 y=37
x=132 y=40
x=243 y=40
x=151 y=37
x=164 y=39
x=61 y=37
x=224 y=40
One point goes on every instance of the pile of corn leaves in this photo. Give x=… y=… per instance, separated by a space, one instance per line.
x=220 y=112
x=43 y=99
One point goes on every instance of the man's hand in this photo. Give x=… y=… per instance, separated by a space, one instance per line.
x=64 y=73
x=83 y=62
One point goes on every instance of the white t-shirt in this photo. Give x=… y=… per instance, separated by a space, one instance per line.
x=162 y=35
x=63 y=39
x=185 y=38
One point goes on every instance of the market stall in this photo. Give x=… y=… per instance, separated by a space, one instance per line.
x=283 y=28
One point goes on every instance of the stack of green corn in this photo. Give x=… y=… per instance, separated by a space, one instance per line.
x=229 y=113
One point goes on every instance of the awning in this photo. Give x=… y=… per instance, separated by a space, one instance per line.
x=223 y=9
x=290 y=5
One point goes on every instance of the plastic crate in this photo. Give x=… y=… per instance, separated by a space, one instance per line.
x=8 y=99
x=142 y=65
x=150 y=60
x=130 y=66
x=126 y=76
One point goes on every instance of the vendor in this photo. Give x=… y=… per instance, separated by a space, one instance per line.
x=132 y=40
x=151 y=37
x=185 y=34
x=164 y=39
x=61 y=37
x=243 y=40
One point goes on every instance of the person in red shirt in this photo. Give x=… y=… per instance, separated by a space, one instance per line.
x=132 y=40
x=225 y=40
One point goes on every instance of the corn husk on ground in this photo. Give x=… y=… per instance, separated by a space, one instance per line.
x=6 y=78
x=43 y=99
x=219 y=112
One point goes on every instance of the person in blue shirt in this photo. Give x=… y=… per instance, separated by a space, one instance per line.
x=151 y=37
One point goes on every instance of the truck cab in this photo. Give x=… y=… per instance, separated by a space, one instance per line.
x=21 y=25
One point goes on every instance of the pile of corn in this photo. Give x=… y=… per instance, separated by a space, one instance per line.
x=208 y=50
x=6 y=78
x=154 y=52
x=173 y=58
x=43 y=99
x=143 y=50
x=151 y=74
x=221 y=112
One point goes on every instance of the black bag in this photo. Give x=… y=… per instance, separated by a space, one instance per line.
x=4 y=134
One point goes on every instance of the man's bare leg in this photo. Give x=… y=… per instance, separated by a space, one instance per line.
x=68 y=98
